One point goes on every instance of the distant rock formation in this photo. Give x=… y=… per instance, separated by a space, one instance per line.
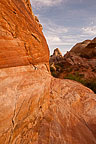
x=36 y=108
x=85 y=49
x=79 y=47
x=57 y=56
x=79 y=63
x=57 y=52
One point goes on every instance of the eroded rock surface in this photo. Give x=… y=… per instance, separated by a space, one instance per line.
x=21 y=38
x=85 y=49
x=71 y=118
x=36 y=108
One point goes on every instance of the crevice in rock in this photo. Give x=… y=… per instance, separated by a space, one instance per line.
x=27 y=53
x=47 y=68
x=34 y=35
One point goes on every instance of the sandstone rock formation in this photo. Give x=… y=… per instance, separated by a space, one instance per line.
x=86 y=67
x=21 y=39
x=78 y=64
x=57 y=56
x=86 y=48
x=36 y=108
x=79 y=47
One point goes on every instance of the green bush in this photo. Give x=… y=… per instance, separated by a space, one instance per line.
x=54 y=74
x=52 y=69
x=92 y=85
x=75 y=78
x=88 y=83
x=57 y=67
x=60 y=64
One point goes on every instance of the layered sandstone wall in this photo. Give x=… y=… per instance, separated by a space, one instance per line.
x=21 y=39
x=24 y=74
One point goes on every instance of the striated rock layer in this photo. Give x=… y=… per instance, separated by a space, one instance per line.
x=21 y=38
x=36 y=108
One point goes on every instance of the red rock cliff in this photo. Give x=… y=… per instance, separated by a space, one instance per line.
x=21 y=39
x=35 y=108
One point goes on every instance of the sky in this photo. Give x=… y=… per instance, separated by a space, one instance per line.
x=66 y=22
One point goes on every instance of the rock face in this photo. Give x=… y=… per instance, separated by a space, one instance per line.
x=57 y=52
x=78 y=48
x=21 y=38
x=86 y=67
x=36 y=108
x=86 y=48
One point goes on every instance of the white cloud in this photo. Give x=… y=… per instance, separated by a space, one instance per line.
x=63 y=27
x=54 y=33
x=41 y=3
x=64 y=37
x=53 y=39
x=91 y=30
x=59 y=36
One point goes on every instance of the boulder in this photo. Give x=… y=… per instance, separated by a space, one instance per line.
x=86 y=49
x=79 y=47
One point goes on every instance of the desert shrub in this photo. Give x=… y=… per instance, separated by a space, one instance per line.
x=69 y=70
x=92 y=85
x=60 y=64
x=54 y=74
x=52 y=69
x=88 y=83
x=94 y=70
x=75 y=78
x=57 y=67
x=81 y=75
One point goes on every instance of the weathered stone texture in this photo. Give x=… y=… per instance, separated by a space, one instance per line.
x=21 y=39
